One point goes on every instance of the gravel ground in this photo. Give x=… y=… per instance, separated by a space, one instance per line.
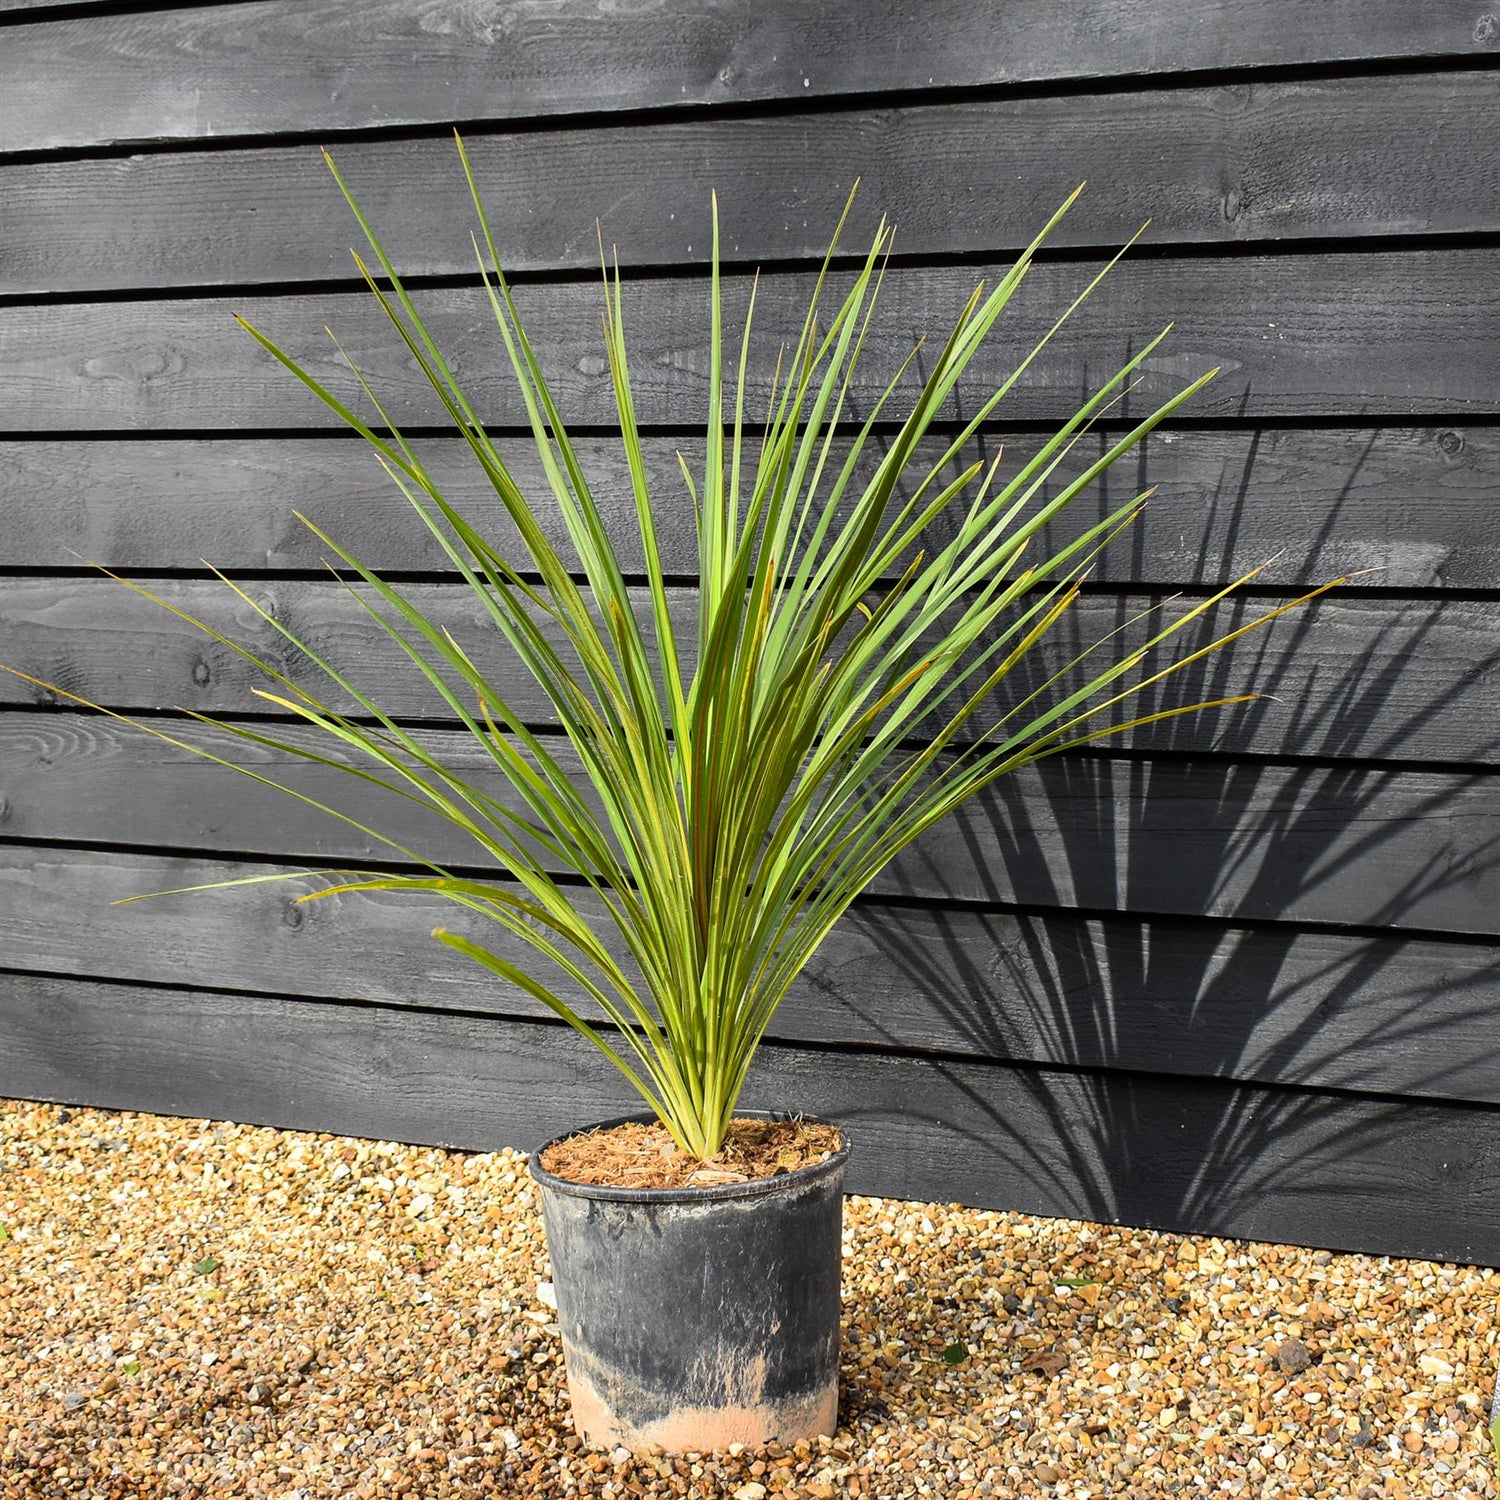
x=199 y=1309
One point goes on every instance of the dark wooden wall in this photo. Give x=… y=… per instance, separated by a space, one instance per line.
x=1240 y=976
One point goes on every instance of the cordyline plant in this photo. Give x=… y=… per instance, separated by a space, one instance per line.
x=847 y=690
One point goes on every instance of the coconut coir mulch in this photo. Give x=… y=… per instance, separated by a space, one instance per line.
x=637 y=1155
x=195 y=1310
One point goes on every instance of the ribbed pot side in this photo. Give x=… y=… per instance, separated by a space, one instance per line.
x=693 y=1318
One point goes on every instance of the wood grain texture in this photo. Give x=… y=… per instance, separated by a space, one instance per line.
x=1381 y=334
x=18 y=8
x=1298 y=1167
x=1414 y=506
x=259 y=68
x=1350 y=677
x=1239 y=840
x=1279 y=1005
x=1232 y=164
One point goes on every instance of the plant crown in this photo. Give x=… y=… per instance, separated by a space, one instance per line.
x=873 y=641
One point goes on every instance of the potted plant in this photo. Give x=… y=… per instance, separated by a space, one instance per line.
x=860 y=658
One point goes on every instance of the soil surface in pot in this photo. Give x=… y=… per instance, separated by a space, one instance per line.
x=638 y=1155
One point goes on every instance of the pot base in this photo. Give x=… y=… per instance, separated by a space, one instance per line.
x=700 y=1429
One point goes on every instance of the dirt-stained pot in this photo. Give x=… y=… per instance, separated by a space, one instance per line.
x=697 y=1317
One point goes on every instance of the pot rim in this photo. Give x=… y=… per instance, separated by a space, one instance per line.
x=714 y=1193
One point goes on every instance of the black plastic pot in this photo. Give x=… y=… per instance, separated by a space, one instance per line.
x=697 y=1317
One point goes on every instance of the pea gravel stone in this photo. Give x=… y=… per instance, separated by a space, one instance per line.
x=378 y=1325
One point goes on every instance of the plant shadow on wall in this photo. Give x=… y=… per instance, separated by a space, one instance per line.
x=1113 y=918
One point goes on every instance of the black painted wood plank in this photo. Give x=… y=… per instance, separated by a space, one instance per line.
x=1240 y=840
x=1388 y=333
x=8 y=7
x=1415 y=506
x=1270 y=1004
x=263 y=67
x=17 y=6
x=1351 y=677
x=1314 y=1168
x=1339 y=159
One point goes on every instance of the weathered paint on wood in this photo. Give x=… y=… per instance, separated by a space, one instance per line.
x=265 y=67
x=1312 y=1167
x=1271 y=1004
x=1228 y=165
x=15 y=7
x=1351 y=677
x=1383 y=334
x=1233 y=839
x=1403 y=507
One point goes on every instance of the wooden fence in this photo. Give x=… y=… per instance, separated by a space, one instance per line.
x=1237 y=976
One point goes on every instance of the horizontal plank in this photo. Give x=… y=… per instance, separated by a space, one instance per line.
x=1236 y=164
x=17 y=6
x=1311 y=1009
x=1415 y=506
x=1324 y=1169
x=1394 y=849
x=194 y=73
x=1351 y=677
x=1387 y=333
